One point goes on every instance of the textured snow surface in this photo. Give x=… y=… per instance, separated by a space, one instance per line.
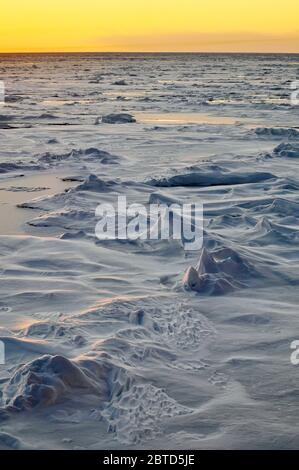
x=140 y=344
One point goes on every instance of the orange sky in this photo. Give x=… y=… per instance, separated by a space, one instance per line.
x=149 y=25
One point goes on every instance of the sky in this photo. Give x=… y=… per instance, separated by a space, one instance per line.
x=149 y=25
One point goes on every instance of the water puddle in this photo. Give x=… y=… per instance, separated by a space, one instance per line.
x=187 y=118
x=16 y=190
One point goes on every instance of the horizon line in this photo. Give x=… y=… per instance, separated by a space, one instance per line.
x=147 y=52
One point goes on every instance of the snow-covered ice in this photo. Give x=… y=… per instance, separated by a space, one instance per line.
x=133 y=343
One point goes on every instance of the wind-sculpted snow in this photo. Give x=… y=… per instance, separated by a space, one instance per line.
x=106 y=377
x=93 y=183
x=141 y=343
x=287 y=150
x=90 y=154
x=282 y=133
x=271 y=233
x=223 y=270
x=46 y=380
x=209 y=176
x=7 y=167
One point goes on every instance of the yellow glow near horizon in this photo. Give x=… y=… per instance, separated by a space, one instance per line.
x=149 y=25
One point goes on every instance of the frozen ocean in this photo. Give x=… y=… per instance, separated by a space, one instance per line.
x=142 y=344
